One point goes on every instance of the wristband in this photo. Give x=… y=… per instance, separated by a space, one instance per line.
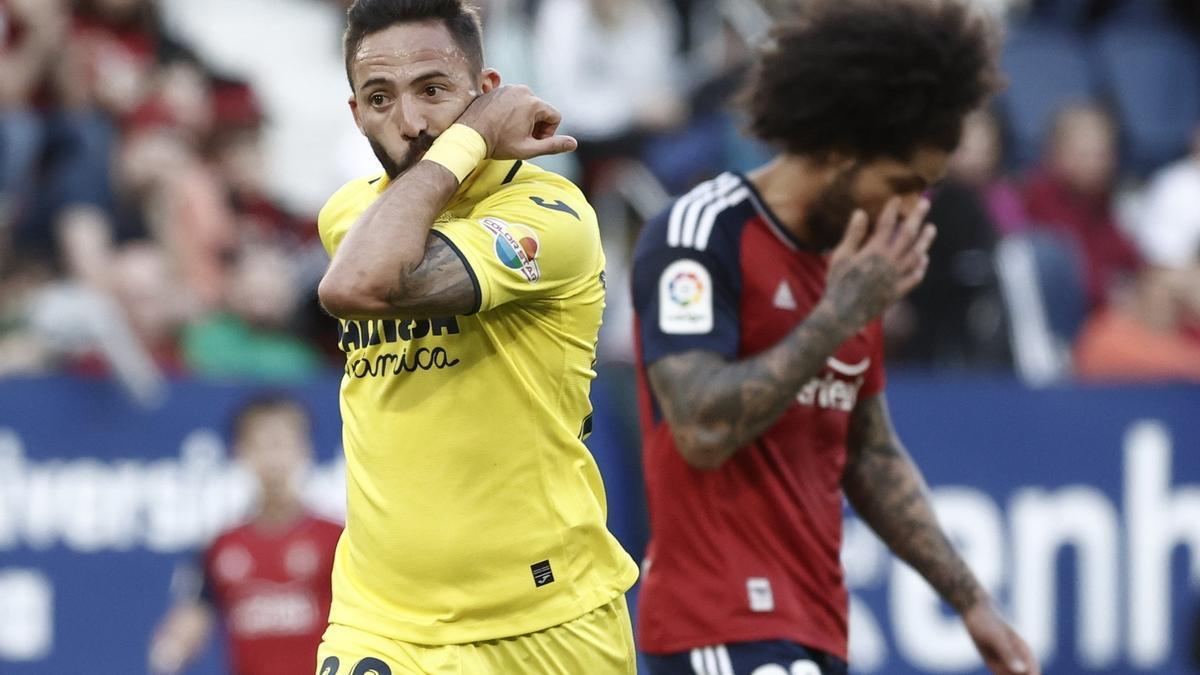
x=459 y=149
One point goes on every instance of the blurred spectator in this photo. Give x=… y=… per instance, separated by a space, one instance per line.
x=103 y=78
x=289 y=51
x=170 y=194
x=72 y=144
x=148 y=289
x=239 y=160
x=609 y=66
x=118 y=75
x=31 y=32
x=1139 y=336
x=1072 y=195
x=1169 y=232
x=253 y=336
x=955 y=317
x=978 y=164
x=85 y=330
x=21 y=352
x=150 y=307
x=268 y=580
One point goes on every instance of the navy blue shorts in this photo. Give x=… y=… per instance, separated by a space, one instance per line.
x=775 y=657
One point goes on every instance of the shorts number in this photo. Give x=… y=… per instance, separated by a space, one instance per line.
x=367 y=666
x=798 y=668
x=372 y=666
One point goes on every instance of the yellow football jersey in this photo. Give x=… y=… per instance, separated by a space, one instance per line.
x=474 y=510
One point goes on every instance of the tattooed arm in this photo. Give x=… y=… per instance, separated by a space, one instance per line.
x=887 y=491
x=715 y=407
x=390 y=263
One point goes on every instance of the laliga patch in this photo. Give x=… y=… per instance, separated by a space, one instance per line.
x=516 y=246
x=685 y=299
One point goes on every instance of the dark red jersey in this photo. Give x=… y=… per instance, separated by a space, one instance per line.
x=272 y=591
x=749 y=551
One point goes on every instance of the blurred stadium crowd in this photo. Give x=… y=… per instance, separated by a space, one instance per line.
x=162 y=163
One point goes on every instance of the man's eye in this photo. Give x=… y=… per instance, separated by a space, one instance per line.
x=378 y=99
x=432 y=90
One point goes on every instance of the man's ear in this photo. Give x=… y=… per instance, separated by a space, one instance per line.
x=489 y=79
x=354 y=111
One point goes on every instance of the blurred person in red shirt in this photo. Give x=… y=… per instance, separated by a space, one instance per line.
x=1141 y=335
x=1072 y=194
x=267 y=580
x=111 y=55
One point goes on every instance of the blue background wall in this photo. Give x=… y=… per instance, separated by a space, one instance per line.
x=1073 y=504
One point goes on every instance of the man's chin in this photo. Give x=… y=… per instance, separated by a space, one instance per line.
x=395 y=170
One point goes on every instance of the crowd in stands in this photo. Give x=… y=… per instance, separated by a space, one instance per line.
x=144 y=232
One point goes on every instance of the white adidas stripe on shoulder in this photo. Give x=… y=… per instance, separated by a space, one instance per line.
x=684 y=218
x=708 y=217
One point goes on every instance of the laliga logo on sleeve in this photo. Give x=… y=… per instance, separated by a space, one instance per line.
x=685 y=305
x=516 y=246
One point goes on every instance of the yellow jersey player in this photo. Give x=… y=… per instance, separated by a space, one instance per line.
x=469 y=286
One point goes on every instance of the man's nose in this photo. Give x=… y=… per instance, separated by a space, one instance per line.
x=409 y=119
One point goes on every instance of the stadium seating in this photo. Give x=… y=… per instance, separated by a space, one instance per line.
x=1153 y=75
x=1047 y=68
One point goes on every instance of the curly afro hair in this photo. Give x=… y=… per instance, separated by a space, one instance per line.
x=872 y=78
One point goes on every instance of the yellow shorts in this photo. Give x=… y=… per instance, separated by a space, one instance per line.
x=597 y=643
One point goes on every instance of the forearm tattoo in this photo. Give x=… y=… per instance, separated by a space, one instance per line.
x=439 y=286
x=886 y=489
x=716 y=407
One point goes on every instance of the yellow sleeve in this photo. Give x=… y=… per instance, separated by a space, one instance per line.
x=342 y=209
x=529 y=241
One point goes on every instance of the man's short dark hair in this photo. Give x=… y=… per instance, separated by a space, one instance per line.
x=371 y=16
x=872 y=78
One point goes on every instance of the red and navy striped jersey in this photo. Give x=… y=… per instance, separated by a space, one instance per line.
x=748 y=551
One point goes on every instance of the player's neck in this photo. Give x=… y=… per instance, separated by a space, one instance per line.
x=789 y=184
x=278 y=512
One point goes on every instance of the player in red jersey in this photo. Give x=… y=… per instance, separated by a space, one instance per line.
x=269 y=579
x=760 y=358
